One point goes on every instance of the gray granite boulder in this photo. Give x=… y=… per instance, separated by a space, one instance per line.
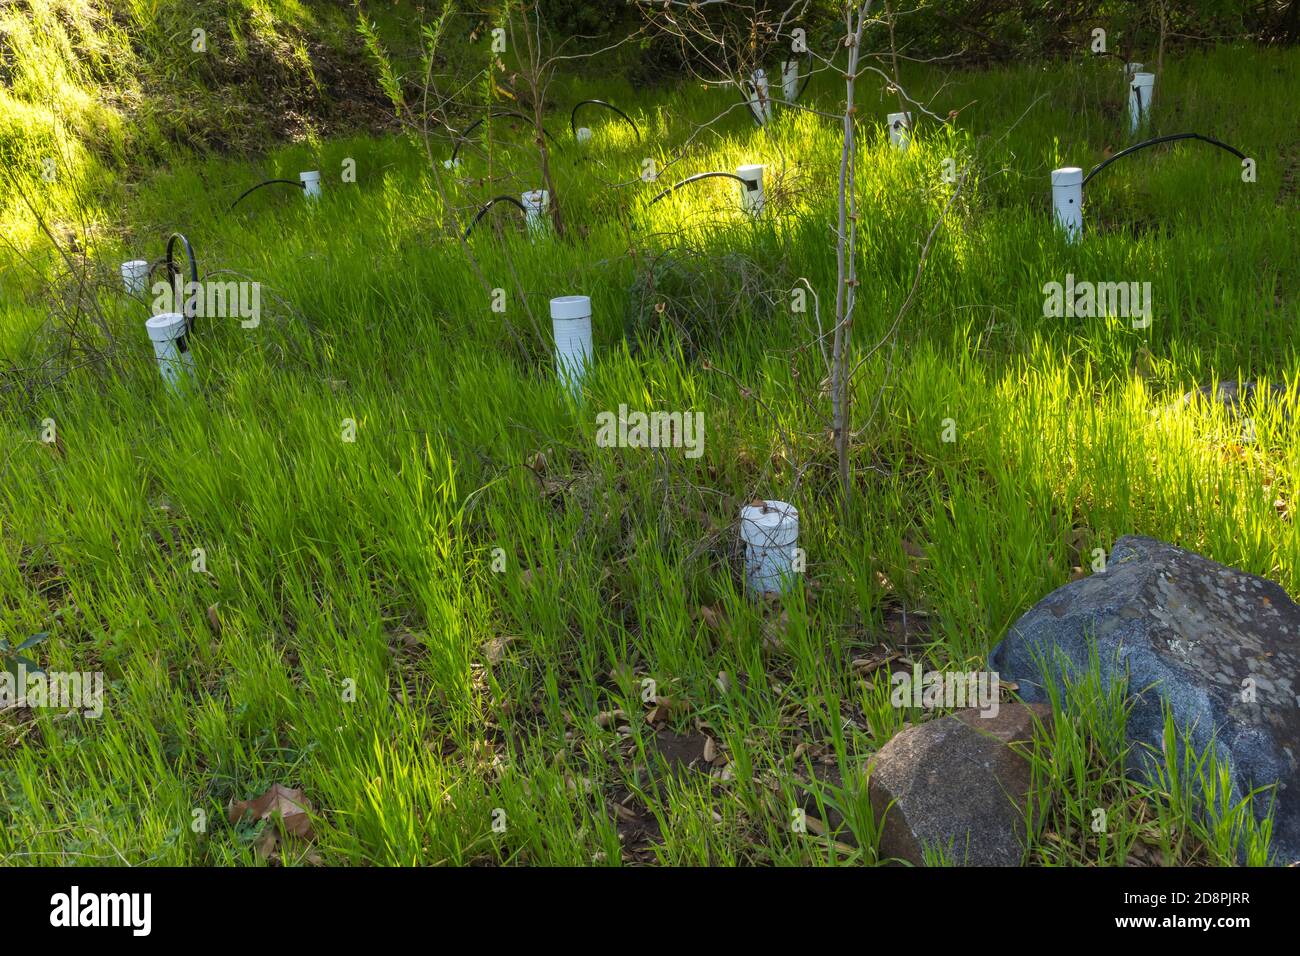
x=1221 y=647
x=954 y=784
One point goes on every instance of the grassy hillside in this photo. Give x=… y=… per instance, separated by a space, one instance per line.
x=107 y=90
x=455 y=613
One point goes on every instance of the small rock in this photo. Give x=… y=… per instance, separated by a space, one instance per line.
x=956 y=785
x=1236 y=397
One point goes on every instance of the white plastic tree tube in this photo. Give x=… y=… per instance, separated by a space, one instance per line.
x=584 y=134
x=536 y=203
x=310 y=184
x=751 y=188
x=760 y=99
x=571 y=324
x=175 y=360
x=1140 y=88
x=1067 y=200
x=790 y=80
x=900 y=130
x=1131 y=68
x=770 y=533
x=135 y=276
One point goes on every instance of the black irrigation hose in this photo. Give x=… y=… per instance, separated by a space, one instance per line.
x=495 y=114
x=573 y=121
x=169 y=263
x=269 y=182
x=747 y=183
x=488 y=205
x=1156 y=141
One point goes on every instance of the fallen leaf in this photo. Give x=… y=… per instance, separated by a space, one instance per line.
x=495 y=649
x=711 y=616
x=214 y=622
x=869 y=665
x=662 y=710
x=607 y=717
x=292 y=805
x=774 y=631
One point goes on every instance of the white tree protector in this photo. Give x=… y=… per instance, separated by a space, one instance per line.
x=1141 y=87
x=310 y=184
x=175 y=360
x=790 y=80
x=751 y=188
x=760 y=97
x=770 y=533
x=536 y=203
x=900 y=130
x=135 y=276
x=571 y=325
x=1067 y=200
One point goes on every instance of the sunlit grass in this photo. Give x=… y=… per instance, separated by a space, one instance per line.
x=369 y=565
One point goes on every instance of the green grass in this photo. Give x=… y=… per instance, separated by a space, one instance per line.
x=101 y=88
x=364 y=569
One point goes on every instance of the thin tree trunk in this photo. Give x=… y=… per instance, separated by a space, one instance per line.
x=846 y=257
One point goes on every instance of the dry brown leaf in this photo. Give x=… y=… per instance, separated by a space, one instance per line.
x=711 y=616
x=267 y=844
x=723 y=681
x=495 y=650
x=710 y=750
x=607 y=717
x=291 y=806
x=214 y=622
x=663 y=708
x=869 y=665
x=774 y=631
x=285 y=808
